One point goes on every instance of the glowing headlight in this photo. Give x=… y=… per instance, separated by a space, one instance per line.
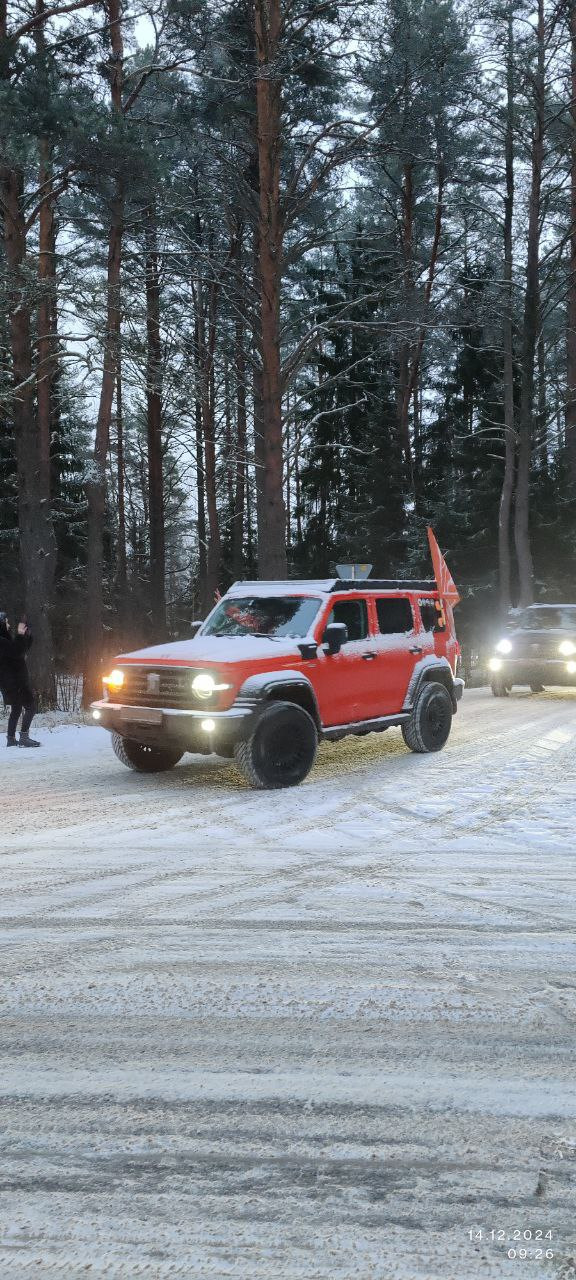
x=567 y=648
x=571 y=668
x=495 y=664
x=504 y=646
x=115 y=680
x=203 y=685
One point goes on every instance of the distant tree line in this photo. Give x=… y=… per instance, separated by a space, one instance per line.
x=281 y=282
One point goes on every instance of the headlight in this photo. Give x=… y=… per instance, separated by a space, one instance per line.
x=571 y=668
x=203 y=685
x=567 y=648
x=504 y=646
x=495 y=664
x=115 y=680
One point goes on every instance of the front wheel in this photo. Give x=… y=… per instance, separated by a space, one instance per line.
x=144 y=759
x=281 y=748
x=499 y=689
x=428 y=728
x=537 y=688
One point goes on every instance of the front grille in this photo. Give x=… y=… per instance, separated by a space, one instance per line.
x=537 y=647
x=167 y=687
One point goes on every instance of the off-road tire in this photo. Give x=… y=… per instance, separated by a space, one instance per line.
x=428 y=728
x=499 y=689
x=144 y=759
x=281 y=748
x=537 y=688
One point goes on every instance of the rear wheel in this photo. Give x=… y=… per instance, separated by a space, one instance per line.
x=499 y=689
x=281 y=748
x=136 y=755
x=537 y=688
x=428 y=728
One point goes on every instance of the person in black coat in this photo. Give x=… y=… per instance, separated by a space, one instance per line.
x=15 y=682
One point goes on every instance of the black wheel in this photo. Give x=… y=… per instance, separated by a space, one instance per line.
x=537 y=688
x=429 y=725
x=281 y=748
x=136 y=755
x=499 y=689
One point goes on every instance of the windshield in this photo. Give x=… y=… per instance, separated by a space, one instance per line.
x=270 y=616
x=548 y=619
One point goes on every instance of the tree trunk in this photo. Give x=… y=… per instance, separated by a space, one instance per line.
x=542 y=424
x=240 y=484
x=154 y=429
x=272 y=561
x=206 y=338
x=570 y=412
x=46 y=312
x=37 y=541
x=121 y=558
x=200 y=485
x=407 y=249
x=96 y=485
x=504 y=515
x=530 y=337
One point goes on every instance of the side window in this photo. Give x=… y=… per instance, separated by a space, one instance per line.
x=428 y=614
x=394 y=615
x=354 y=614
x=432 y=615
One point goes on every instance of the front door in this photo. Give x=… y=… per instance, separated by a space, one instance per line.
x=344 y=681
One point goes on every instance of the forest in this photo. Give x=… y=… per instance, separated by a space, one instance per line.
x=281 y=283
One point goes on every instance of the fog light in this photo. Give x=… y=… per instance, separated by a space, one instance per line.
x=495 y=664
x=208 y=725
x=571 y=668
x=97 y=715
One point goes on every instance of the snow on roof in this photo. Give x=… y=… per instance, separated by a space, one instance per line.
x=327 y=586
x=276 y=588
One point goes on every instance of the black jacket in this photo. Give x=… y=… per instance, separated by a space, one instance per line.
x=13 y=671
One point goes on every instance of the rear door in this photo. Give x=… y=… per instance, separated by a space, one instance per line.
x=400 y=643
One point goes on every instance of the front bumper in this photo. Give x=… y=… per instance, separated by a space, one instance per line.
x=174 y=726
x=534 y=671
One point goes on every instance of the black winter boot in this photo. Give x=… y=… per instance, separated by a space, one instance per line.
x=11 y=742
x=27 y=741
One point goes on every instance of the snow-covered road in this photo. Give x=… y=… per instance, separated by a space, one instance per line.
x=316 y=1034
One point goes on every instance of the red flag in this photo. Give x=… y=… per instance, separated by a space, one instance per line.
x=444 y=580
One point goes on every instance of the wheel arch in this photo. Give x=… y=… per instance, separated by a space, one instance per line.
x=430 y=669
x=283 y=686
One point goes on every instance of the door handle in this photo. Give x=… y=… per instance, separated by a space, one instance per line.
x=368 y=657
x=415 y=648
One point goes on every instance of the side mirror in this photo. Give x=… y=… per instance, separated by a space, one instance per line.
x=195 y=626
x=335 y=635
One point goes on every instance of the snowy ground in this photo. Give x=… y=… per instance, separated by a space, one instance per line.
x=314 y=1035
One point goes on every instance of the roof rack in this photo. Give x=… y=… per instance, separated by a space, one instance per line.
x=384 y=584
x=330 y=585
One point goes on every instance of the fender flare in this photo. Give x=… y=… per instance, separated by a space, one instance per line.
x=426 y=669
x=258 y=688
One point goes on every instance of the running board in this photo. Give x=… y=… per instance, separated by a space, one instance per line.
x=365 y=726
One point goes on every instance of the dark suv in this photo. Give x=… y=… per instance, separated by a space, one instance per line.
x=539 y=650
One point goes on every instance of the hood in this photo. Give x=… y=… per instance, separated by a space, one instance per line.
x=215 y=650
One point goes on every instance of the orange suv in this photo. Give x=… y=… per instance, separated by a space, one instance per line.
x=277 y=666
